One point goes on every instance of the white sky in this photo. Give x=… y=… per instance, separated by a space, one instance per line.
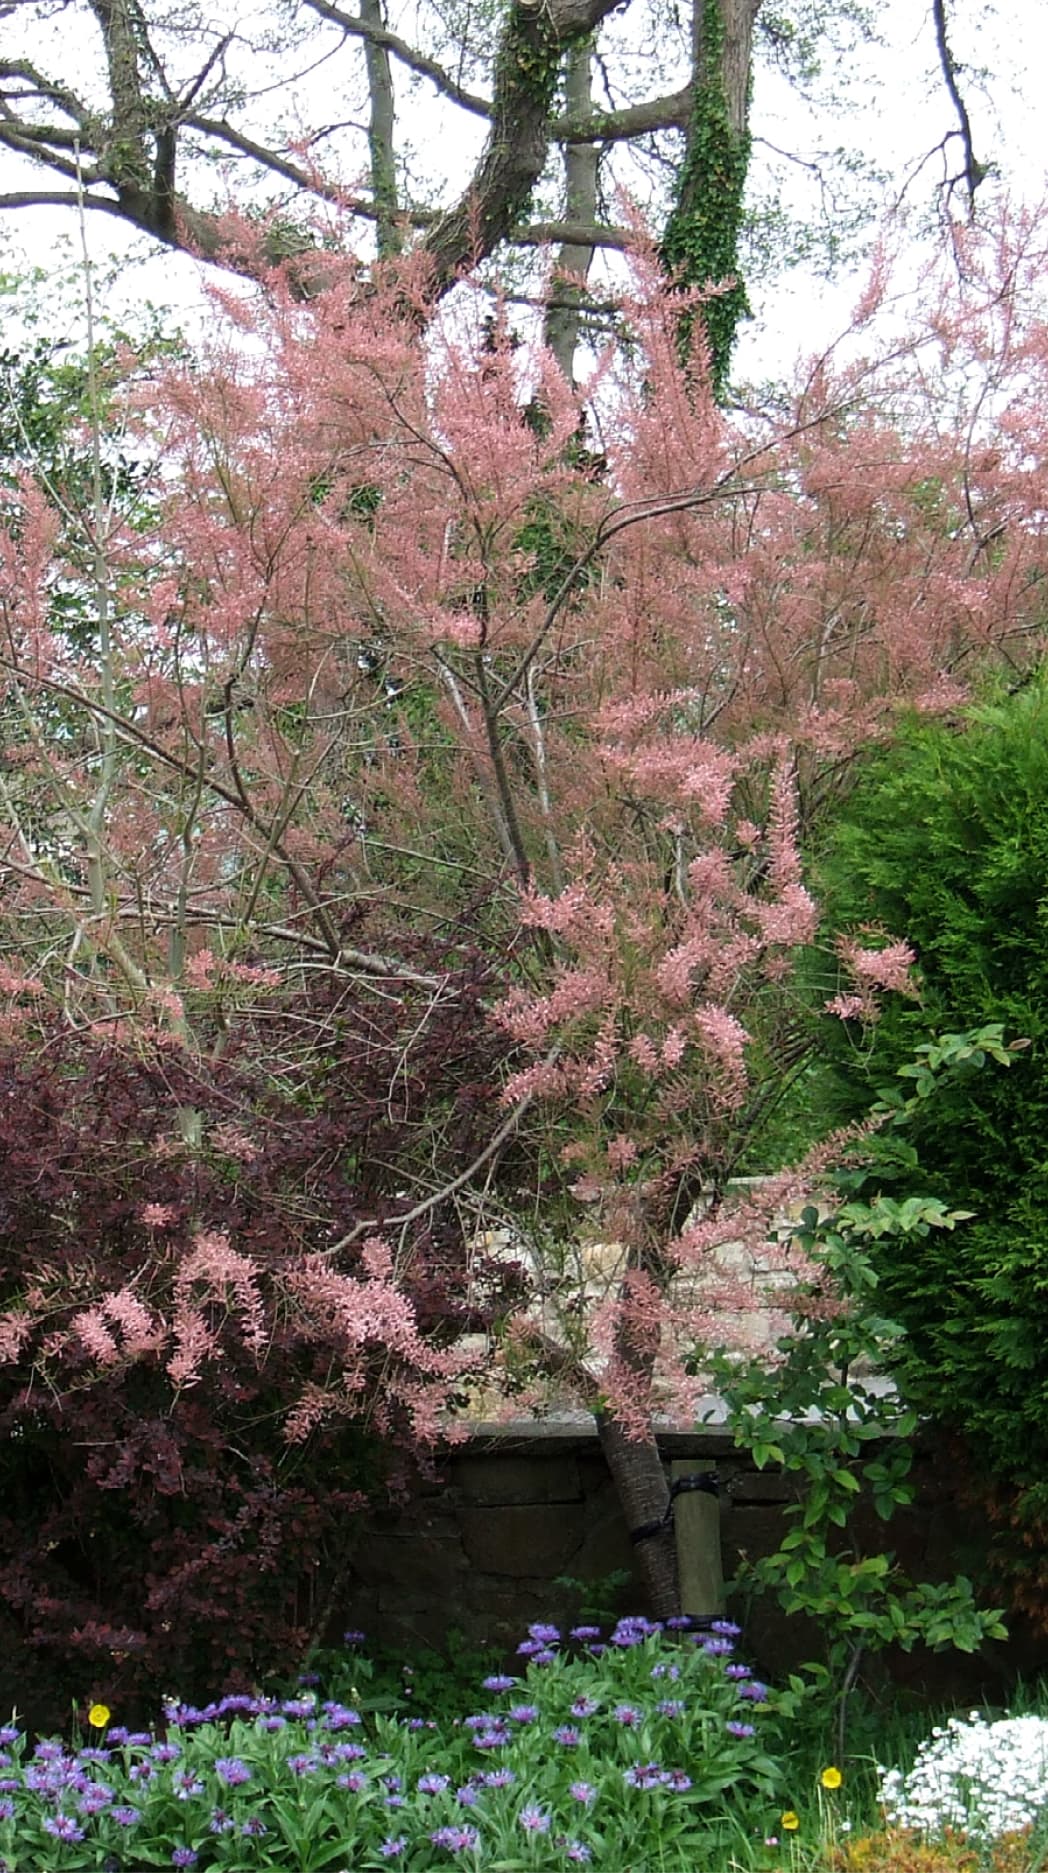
x=894 y=108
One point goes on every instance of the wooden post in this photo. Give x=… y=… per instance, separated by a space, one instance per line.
x=696 y=1514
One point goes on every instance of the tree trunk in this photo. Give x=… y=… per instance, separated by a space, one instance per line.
x=380 y=136
x=580 y=205
x=640 y=1481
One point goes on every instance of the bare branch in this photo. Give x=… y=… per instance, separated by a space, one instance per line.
x=416 y=61
x=974 y=171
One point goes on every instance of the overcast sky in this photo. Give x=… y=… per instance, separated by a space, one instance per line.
x=895 y=110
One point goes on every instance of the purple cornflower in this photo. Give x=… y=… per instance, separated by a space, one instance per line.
x=567 y=1736
x=644 y=1775
x=353 y=1637
x=63 y=1827
x=500 y=1778
x=494 y=1738
x=183 y=1856
x=49 y=1752
x=138 y=1739
x=340 y=1717
x=736 y=1671
x=717 y=1648
x=481 y=1720
x=740 y=1729
x=582 y=1633
x=672 y=1707
x=9 y=1733
x=93 y=1755
x=432 y=1784
x=119 y=1734
x=544 y=1657
x=727 y=1628
x=143 y=1772
x=186 y=1784
x=94 y=1798
x=254 y=1827
x=523 y=1713
x=633 y=1630
x=678 y=1781
x=298 y=1706
x=353 y=1781
x=754 y=1692
x=165 y=1752
x=679 y=1622
x=302 y=1765
x=221 y=1822
x=308 y=1678
x=466 y=1796
x=583 y=1792
x=500 y=1682
x=125 y=1815
x=231 y=1771
x=457 y=1838
x=274 y=1723
x=396 y=1801
x=626 y=1714
x=534 y=1820
x=389 y=1849
x=7 y=1808
x=577 y=1850
x=585 y=1706
x=544 y=1633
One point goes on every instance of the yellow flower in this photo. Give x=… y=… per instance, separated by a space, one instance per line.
x=831 y=1777
x=98 y=1716
x=789 y=1821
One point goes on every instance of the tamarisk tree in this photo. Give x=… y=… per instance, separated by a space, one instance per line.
x=418 y=674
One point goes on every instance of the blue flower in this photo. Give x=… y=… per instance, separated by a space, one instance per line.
x=583 y=1792
x=626 y=1714
x=353 y=1637
x=125 y=1815
x=568 y=1736
x=740 y=1729
x=457 y=1838
x=523 y=1713
x=231 y=1771
x=7 y=1808
x=63 y=1827
x=183 y=1857
x=466 y=1796
x=500 y=1778
x=389 y=1849
x=754 y=1692
x=500 y=1682
x=253 y=1827
x=545 y=1634
x=585 y=1706
x=221 y=1822
x=577 y=1850
x=727 y=1628
x=432 y=1784
x=672 y=1707
x=582 y=1633
x=534 y=1820
x=736 y=1671
x=645 y=1775
x=678 y=1780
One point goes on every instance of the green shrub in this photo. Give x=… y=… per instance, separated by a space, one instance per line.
x=945 y=842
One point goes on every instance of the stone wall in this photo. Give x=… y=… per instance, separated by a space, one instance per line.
x=477 y=1554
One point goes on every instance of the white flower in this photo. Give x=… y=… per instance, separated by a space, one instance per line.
x=986 y=1779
